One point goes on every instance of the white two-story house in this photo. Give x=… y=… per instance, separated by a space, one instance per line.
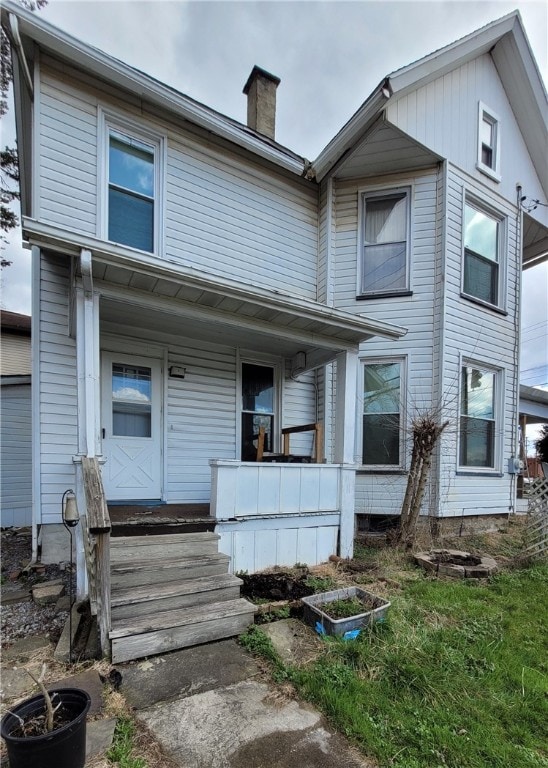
x=199 y=290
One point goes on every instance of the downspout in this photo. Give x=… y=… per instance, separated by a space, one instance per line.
x=35 y=402
x=517 y=345
x=18 y=45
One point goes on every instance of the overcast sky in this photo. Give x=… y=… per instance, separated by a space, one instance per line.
x=329 y=57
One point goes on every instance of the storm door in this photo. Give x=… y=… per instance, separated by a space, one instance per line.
x=131 y=427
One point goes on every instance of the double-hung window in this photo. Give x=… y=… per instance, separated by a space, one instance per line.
x=478 y=412
x=385 y=242
x=131 y=192
x=482 y=239
x=488 y=161
x=382 y=414
x=132 y=189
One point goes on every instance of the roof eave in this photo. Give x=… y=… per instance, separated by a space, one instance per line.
x=106 y=67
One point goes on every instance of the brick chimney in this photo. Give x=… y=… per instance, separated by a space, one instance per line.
x=260 y=90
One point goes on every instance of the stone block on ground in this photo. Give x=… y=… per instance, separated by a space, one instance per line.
x=47 y=593
x=88 y=681
x=11 y=596
x=63 y=604
x=99 y=735
x=25 y=648
x=16 y=683
x=62 y=651
x=185 y=672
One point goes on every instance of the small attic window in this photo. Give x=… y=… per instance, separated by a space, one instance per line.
x=488 y=161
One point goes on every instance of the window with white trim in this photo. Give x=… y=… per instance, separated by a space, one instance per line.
x=478 y=417
x=132 y=203
x=483 y=236
x=488 y=160
x=382 y=414
x=385 y=238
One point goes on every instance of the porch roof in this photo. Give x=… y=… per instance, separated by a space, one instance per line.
x=289 y=322
x=204 y=308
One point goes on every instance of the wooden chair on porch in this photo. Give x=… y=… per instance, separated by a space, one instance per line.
x=316 y=457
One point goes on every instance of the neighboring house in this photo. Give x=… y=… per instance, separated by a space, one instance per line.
x=15 y=420
x=195 y=281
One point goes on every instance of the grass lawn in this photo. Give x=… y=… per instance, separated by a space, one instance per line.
x=456 y=677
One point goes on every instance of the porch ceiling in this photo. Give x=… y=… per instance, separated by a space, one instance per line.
x=228 y=313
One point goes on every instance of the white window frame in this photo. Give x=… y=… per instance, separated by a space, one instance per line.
x=111 y=123
x=498 y=409
x=403 y=362
x=270 y=362
x=377 y=192
x=502 y=238
x=486 y=114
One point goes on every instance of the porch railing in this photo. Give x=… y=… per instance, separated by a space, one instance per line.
x=97 y=548
x=253 y=489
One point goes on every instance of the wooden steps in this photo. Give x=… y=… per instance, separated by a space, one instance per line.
x=172 y=591
x=138 y=601
x=179 y=629
x=124 y=549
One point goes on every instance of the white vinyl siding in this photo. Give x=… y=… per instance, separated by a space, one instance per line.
x=476 y=333
x=253 y=545
x=443 y=115
x=15 y=354
x=381 y=493
x=201 y=420
x=226 y=214
x=58 y=388
x=239 y=222
x=67 y=155
x=16 y=455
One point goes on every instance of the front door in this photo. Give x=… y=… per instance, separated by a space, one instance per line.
x=132 y=427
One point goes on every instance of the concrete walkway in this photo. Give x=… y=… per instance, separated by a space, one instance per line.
x=210 y=707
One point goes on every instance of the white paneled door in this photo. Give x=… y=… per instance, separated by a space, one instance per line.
x=132 y=427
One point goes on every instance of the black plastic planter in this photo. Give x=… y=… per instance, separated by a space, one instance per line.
x=61 y=748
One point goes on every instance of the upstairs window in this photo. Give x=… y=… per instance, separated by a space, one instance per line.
x=385 y=257
x=131 y=191
x=381 y=434
x=477 y=418
x=482 y=238
x=488 y=142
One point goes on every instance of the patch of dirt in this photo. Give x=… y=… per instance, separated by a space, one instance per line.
x=276 y=585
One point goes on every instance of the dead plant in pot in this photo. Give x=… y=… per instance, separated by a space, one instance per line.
x=48 y=729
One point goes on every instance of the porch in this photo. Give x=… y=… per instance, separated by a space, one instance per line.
x=175 y=377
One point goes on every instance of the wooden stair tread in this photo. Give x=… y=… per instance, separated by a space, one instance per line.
x=190 y=561
x=211 y=612
x=150 y=592
x=121 y=542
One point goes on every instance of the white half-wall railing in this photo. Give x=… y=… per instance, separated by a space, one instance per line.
x=241 y=489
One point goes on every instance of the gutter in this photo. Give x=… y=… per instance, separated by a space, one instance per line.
x=15 y=38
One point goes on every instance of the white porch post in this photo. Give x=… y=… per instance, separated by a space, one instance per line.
x=87 y=366
x=345 y=440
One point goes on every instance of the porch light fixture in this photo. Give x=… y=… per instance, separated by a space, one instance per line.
x=69 y=509
x=177 y=372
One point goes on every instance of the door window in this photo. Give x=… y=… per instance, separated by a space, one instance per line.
x=257 y=408
x=131 y=400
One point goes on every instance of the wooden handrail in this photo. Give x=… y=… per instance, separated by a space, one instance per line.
x=98 y=548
